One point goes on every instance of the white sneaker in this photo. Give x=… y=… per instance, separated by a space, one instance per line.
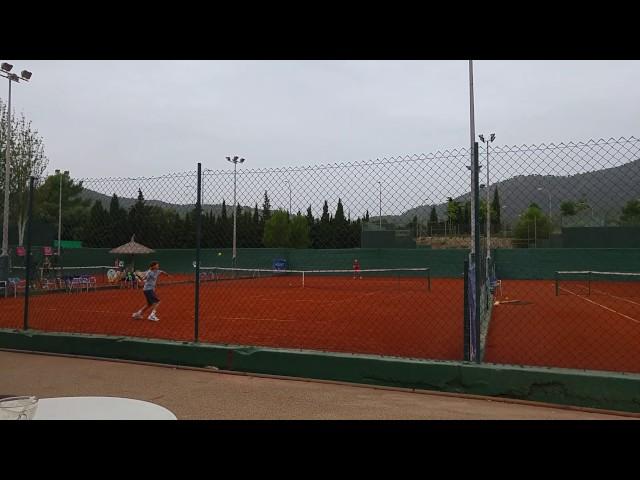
x=153 y=317
x=136 y=315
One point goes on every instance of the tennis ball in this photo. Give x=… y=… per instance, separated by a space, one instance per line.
x=219 y=254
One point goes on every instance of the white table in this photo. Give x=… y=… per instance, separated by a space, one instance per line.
x=100 y=408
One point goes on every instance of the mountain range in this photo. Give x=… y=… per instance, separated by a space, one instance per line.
x=606 y=191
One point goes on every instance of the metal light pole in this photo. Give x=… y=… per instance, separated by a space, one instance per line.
x=4 y=256
x=59 y=213
x=60 y=210
x=380 y=216
x=472 y=131
x=492 y=137
x=235 y=161
x=7 y=178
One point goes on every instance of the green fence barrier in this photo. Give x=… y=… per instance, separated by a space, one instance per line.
x=601 y=237
x=443 y=263
x=542 y=263
x=531 y=263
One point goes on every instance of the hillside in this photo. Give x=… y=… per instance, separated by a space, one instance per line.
x=607 y=191
x=126 y=203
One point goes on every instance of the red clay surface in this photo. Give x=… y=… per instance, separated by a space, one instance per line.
x=599 y=331
x=386 y=316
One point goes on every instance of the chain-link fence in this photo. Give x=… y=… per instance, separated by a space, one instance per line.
x=366 y=257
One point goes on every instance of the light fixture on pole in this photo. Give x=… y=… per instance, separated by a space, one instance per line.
x=25 y=75
x=235 y=160
x=66 y=172
x=491 y=138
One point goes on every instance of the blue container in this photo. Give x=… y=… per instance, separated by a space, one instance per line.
x=280 y=264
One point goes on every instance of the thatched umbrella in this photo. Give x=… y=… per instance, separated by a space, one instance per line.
x=132 y=248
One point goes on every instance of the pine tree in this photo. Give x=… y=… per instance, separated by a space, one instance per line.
x=117 y=222
x=138 y=219
x=340 y=228
x=223 y=211
x=224 y=229
x=339 y=216
x=309 y=217
x=325 y=213
x=323 y=232
x=266 y=208
x=97 y=227
x=257 y=228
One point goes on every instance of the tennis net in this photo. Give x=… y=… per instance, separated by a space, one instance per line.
x=589 y=282
x=383 y=277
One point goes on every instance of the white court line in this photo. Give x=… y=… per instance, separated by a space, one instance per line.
x=72 y=310
x=615 y=296
x=602 y=306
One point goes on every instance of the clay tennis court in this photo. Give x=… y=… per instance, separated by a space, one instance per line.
x=384 y=316
x=530 y=325
x=597 y=330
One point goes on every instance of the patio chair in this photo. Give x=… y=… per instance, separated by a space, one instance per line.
x=76 y=283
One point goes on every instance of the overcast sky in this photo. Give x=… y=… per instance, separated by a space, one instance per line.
x=145 y=118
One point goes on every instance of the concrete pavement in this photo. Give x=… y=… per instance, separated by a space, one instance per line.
x=198 y=394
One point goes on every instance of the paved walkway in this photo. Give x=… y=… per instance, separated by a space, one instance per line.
x=196 y=394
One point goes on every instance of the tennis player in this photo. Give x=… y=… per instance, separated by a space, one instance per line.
x=356 y=269
x=150 y=278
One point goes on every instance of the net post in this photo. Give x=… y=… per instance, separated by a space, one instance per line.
x=303 y=279
x=197 y=273
x=589 y=281
x=28 y=255
x=557 y=286
x=429 y=279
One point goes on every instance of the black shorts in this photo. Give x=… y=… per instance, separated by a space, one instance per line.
x=151 y=297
